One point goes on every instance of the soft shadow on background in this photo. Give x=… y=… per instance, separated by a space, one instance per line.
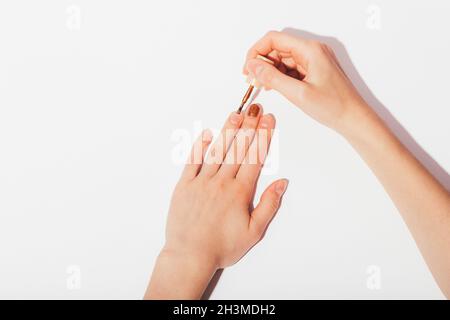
x=212 y=285
x=344 y=59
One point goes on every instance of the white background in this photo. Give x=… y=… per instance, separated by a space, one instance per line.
x=90 y=113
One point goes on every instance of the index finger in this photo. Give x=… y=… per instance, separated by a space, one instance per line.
x=297 y=47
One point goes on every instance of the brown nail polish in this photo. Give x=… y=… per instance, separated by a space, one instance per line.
x=253 y=111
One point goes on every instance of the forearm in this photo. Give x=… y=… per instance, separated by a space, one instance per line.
x=422 y=201
x=179 y=276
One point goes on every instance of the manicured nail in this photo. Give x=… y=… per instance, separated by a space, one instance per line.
x=235 y=118
x=253 y=110
x=281 y=187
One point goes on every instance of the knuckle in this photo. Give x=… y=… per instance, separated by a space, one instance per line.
x=267 y=76
x=256 y=232
x=321 y=48
x=181 y=191
x=272 y=33
x=274 y=203
x=243 y=186
x=239 y=189
x=315 y=44
x=303 y=94
x=220 y=183
x=324 y=46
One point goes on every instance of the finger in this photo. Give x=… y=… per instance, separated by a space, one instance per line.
x=274 y=56
x=197 y=155
x=221 y=145
x=282 y=42
x=272 y=78
x=289 y=62
x=256 y=154
x=241 y=142
x=267 y=207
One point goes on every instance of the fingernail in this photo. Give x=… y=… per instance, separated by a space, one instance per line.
x=207 y=135
x=266 y=120
x=255 y=68
x=235 y=118
x=281 y=187
x=252 y=80
x=253 y=111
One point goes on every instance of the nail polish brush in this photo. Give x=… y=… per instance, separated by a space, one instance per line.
x=252 y=85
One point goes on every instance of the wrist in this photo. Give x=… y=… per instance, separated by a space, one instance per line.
x=189 y=257
x=358 y=121
x=180 y=274
x=367 y=132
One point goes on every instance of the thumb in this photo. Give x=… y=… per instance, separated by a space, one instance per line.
x=272 y=78
x=267 y=207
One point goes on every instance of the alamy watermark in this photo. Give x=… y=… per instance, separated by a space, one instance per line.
x=73 y=281
x=243 y=146
x=73 y=19
x=373 y=21
x=373 y=281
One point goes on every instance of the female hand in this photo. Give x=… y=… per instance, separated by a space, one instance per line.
x=308 y=74
x=211 y=222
